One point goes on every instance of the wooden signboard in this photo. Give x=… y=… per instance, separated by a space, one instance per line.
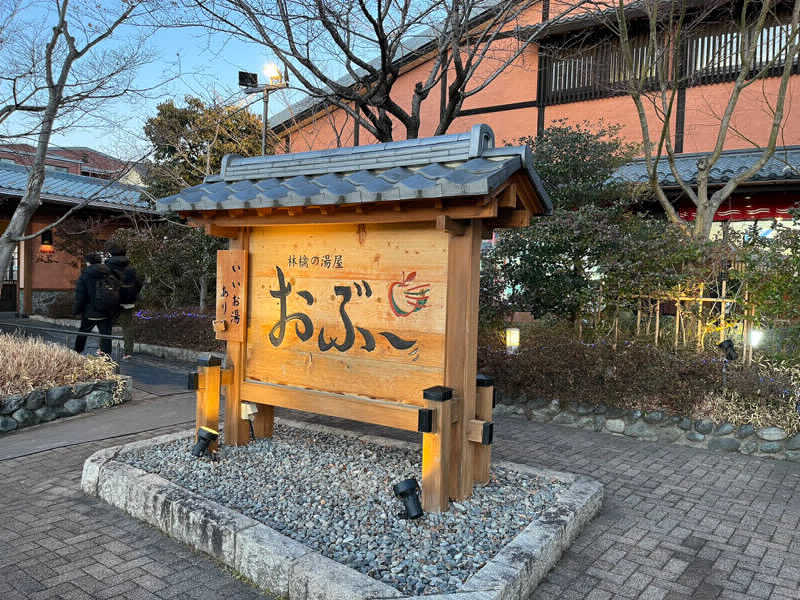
x=231 y=295
x=349 y=309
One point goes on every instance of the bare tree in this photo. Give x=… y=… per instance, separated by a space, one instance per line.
x=743 y=43
x=350 y=53
x=55 y=75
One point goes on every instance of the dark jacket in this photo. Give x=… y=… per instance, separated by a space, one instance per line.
x=130 y=284
x=86 y=289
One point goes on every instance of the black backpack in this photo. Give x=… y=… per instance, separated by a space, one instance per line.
x=106 y=294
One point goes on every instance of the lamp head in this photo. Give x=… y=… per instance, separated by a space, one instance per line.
x=205 y=436
x=408 y=493
x=729 y=350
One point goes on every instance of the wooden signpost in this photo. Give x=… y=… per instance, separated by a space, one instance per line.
x=365 y=311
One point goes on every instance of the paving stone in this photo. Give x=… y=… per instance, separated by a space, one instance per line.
x=726 y=444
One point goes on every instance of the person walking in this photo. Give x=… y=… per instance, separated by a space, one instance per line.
x=130 y=286
x=94 y=300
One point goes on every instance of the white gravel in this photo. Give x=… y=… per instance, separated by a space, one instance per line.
x=334 y=494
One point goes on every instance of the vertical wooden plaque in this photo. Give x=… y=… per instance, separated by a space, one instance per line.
x=231 y=295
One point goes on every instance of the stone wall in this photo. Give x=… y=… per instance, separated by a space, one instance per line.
x=659 y=426
x=41 y=406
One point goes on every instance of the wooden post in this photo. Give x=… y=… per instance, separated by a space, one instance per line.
x=207 y=409
x=677 y=325
x=484 y=404
x=237 y=430
x=461 y=349
x=436 y=449
x=700 y=327
x=27 y=274
x=639 y=317
x=722 y=314
x=658 y=320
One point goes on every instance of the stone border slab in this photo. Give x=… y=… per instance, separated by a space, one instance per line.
x=280 y=565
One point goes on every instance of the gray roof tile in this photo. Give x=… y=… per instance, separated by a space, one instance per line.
x=784 y=165
x=463 y=164
x=73 y=189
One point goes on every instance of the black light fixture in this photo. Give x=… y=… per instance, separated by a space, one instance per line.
x=46 y=244
x=205 y=436
x=729 y=350
x=408 y=492
x=248 y=79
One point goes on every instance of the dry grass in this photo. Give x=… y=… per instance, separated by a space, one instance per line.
x=27 y=364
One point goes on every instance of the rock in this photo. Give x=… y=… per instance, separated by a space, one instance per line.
x=56 y=396
x=724 y=429
x=748 y=446
x=543 y=415
x=24 y=417
x=615 y=425
x=669 y=435
x=107 y=385
x=564 y=418
x=685 y=423
x=45 y=414
x=35 y=400
x=73 y=407
x=704 y=426
x=693 y=436
x=633 y=416
x=652 y=417
x=793 y=455
x=725 y=444
x=585 y=422
x=770 y=447
x=7 y=424
x=101 y=397
x=771 y=434
x=640 y=430
x=9 y=404
x=675 y=419
x=79 y=390
x=745 y=431
x=793 y=443
x=600 y=409
x=599 y=422
x=584 y=409
x=615 y=413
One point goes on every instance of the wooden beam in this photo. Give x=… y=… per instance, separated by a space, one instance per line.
x=461 y=349
x=477 y=431
x=382 y=215
x=484 y=405
x=436 y=453
x=27 y=273
x=344 y=406
x=223 y=232
x=264 y=212
x=237 y=430
x=508 y=199
x=207 y=408
x=451 y=226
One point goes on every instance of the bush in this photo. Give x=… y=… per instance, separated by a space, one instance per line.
x=552 y=364
x=30 y=363
x=180 y=329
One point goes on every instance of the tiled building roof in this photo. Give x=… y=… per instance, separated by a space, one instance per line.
x=66 y=188
x=465 y=164
x=783 y=166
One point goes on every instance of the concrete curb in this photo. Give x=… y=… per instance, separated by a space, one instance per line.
x=285 y=567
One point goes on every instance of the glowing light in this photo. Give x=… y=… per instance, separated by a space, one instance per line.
x=273 y=73
x=512 y=340
x=756 y=337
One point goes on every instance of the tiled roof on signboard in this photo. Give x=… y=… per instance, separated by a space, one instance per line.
x=458 y=165
x=783 y=166
x=66 y=188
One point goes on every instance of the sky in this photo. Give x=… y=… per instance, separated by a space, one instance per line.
x=187 y=62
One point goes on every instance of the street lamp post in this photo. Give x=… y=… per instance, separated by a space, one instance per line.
x=275 y=81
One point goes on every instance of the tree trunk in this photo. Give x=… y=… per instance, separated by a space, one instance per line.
x=203 y=293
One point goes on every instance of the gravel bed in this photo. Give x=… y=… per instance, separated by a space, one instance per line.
x=333 y=493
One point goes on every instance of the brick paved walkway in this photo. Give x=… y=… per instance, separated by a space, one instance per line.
x=676 y=523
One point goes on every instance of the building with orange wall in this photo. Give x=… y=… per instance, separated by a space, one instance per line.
x=560 y=79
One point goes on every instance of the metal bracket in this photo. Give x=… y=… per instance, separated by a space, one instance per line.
x=192 y=380
x=425 y=420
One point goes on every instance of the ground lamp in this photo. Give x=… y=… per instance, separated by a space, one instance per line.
x=408 y=493
x=46 y=245
x=277 y=81
x=205 y=435
x=512 y=340
x=248 y=412
x=728 y=349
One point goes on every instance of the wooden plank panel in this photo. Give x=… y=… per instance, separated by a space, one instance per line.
x=349 y=309
x=231 y=294
x=365 y=410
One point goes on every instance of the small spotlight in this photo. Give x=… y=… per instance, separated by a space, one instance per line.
x=248 y=412
x=728 y=349
x=205 y=435
x=408 y=492
x=756 y=337
x=512 y=340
